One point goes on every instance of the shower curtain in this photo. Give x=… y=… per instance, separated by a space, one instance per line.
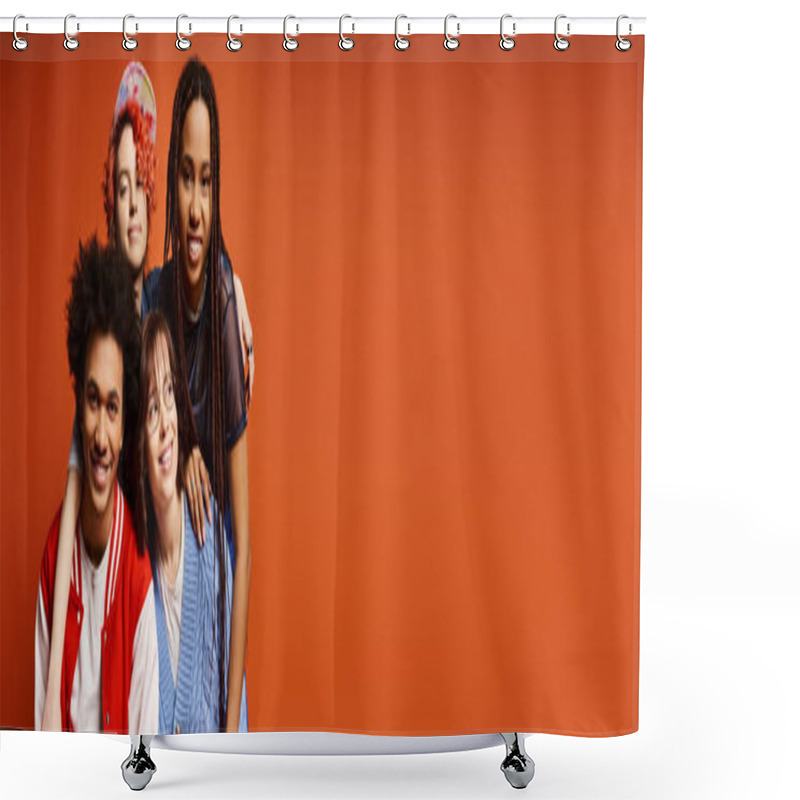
x=441 y=258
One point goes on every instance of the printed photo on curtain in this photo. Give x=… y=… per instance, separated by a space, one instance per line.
x=419 y=516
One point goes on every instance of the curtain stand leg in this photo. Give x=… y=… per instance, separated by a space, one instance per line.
x=517 y=766
x=138 y=768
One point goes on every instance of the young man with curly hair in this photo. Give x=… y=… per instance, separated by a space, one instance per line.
x=109 y=676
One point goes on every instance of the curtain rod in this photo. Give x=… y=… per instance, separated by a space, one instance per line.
x=513 y=26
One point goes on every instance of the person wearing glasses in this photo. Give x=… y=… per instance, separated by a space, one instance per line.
x=192 y=647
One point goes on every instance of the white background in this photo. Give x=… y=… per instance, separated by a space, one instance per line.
x=720 y=450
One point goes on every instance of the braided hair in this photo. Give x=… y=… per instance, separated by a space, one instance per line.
x=195 y=84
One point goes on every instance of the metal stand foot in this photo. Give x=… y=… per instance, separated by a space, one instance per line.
x=517 y=766
x=138 y=768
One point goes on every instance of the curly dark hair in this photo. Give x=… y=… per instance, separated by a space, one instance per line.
x=155 y=326
x=102 y=301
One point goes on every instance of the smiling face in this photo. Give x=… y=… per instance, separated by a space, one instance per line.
x=101 y=426
x=161 y=421
x=130 y=202
x=194 y=197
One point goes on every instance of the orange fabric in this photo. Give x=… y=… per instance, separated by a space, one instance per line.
x=441 y=254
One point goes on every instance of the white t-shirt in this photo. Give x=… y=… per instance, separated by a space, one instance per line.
x=86 y=705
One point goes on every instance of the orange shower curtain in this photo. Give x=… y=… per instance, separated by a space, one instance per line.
x=441 y=253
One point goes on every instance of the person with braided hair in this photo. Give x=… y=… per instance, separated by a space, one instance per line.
x=197 y=295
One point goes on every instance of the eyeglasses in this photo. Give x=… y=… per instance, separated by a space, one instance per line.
x=156 y=403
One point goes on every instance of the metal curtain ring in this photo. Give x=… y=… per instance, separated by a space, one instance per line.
x=451 y=42
x=19 y=43
x=507 y=42
x=345 y=42
x=560 y=43
x=233 y=44
x=290 y=44
x=70 y=42
x=182 y=43
x=623 y=45
x=128 y=42
x=400 y=42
